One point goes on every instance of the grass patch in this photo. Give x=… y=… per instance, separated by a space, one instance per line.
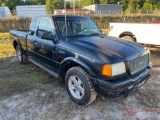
x=16 y=78
x=155 y=56
x=5 y=38
x=6 y=50
x=6 y=47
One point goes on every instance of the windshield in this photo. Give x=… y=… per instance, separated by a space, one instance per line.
x=76 y=27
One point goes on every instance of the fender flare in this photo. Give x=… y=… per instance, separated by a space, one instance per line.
x=18 y=42
x=77 y=62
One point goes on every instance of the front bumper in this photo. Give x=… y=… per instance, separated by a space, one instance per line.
x=121 y=87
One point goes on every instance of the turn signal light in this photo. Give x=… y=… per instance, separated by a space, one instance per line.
x=107 y=70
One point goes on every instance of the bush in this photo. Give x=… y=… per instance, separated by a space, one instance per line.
x=14 y=23
x=102 y=21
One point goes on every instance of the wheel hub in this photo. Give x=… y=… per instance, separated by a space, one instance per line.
x=76 y=87
x=19 y=55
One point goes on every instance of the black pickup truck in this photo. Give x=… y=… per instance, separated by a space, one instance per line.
x=73 y=49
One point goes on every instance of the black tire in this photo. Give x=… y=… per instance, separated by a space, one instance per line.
x=23 y=59
x=79 y=74
x=129 y=38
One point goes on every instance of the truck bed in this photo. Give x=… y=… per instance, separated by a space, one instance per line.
x=19 y=33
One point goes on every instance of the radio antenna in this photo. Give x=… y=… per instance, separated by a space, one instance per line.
x=65 y=19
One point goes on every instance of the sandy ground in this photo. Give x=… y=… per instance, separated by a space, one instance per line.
x=51 y=102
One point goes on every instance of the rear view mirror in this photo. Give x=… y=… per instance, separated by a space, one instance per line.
x=48 y=36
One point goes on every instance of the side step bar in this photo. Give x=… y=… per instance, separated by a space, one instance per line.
x=44 y=68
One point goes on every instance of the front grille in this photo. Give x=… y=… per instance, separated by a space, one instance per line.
x=138 y=64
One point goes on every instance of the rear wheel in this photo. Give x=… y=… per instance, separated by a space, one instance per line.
x=129 y=38
x=79 y=86
x=20 y=56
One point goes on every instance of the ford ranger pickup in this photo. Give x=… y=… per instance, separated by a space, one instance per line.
x=73 y=49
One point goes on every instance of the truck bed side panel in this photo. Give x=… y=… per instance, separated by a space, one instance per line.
x=20 y=36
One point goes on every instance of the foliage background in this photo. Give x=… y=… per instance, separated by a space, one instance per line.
x=101 y=21
x=128 y=5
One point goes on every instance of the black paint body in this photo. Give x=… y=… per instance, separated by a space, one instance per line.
x=89 y=52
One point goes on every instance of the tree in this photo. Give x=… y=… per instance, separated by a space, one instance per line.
x=76 y=2
x=35 y=2
x=103 y=1
x=51 y=5
x=41 y=2
x=124 y=4
x=84 y=3
x=133 y=5
x=147 y=6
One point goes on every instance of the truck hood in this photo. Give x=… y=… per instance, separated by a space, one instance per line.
x=108 y=45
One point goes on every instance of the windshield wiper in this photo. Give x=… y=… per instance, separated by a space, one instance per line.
x=82 y=35
x=94 y=34
x=76 y=35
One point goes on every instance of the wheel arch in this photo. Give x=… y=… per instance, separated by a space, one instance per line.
x=128 y=33
x=72 y=62
x=17 y=42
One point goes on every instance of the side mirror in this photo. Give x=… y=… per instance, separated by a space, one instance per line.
x=49 y=36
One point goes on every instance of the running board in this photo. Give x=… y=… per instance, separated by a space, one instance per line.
x=44 y=68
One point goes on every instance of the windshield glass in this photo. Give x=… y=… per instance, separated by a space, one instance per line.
x=76 y=27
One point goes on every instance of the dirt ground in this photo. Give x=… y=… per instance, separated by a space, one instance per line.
x=30 y=93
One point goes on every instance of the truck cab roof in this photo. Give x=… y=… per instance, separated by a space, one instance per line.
x=57 y=16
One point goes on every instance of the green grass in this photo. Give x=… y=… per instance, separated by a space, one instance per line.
x=16 y=78
x=155 y=56
x=6 y=47
x=6 y=50
x=5 y=38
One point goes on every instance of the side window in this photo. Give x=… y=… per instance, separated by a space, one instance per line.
x=34 y=24
x=44 y=26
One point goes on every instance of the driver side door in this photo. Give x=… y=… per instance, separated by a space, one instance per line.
x=45 y=48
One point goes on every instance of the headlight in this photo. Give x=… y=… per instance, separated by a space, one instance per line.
x=114 y=69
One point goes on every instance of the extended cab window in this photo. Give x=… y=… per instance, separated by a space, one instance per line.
x=44 y=26
x=34 y=24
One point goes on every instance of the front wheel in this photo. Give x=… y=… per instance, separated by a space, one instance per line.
x=79 y=86
x=20 y=56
